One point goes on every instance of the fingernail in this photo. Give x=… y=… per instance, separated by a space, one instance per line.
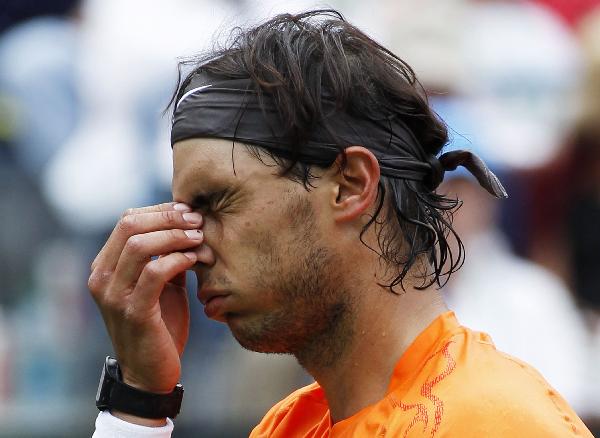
x=180 y=206
x=194 y=234
x=193 y=218
x=191 y=255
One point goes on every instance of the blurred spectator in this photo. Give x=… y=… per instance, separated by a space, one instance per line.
x=123 y=77
x=51 y=326
x=427 y=34
x=42 y=330
x=527 y=310
x=26 y=223
x=584 y=212
x=39 y=101
x=523 y=76
x=583 y=217
x=522 y=72
x=37 y=79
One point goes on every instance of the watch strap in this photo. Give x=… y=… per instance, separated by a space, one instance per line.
x=117 y=395
x=145 y=404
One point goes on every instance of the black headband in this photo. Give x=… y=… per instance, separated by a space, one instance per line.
x=233 y=110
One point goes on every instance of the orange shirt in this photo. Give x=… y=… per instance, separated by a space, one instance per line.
x=450 y=382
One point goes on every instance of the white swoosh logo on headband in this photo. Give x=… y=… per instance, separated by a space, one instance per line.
x=192 y=91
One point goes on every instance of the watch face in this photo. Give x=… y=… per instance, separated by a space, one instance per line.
x=100 y=384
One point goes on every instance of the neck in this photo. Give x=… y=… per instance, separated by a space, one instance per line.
x=356 y=372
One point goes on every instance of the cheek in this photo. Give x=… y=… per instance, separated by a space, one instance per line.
x=263 y=239
x=257 y=229
x=259 y=239
x=243 y=244
x=256 y=262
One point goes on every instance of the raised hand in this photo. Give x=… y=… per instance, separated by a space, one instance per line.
x=143 y=299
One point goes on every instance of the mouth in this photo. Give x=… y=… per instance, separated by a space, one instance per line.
x=206 y=295
x=213 y=301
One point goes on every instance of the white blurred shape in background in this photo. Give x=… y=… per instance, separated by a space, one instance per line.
x=523 y=67
x=424 y=33
x=129 y=49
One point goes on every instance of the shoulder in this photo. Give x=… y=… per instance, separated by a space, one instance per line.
x=307 y=402
x=474 y=390
x=497 y=395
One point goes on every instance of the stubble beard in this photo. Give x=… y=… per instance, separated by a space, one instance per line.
x=313 y=317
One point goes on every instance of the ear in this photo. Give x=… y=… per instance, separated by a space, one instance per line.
x=355 y=188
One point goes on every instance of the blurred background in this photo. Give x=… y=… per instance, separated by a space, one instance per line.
x=82 y=137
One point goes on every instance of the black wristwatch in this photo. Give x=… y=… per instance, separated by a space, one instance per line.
x=114 y=394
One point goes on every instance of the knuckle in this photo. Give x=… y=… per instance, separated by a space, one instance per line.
x=97 y=282
x=134 y=244
x=127 y=224
x=153 y=271
x=128 y=212
x=177 y=235
x=169 y=217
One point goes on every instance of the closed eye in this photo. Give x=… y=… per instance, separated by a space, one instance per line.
x=212 y=201
x=206 y=200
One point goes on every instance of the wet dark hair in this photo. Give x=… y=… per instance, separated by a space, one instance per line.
x=294 y=58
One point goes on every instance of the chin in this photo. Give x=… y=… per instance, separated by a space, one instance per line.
x=252 y=336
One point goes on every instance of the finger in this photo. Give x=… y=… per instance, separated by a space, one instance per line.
x=179 y=280
x=157 y=273
x=140 y=248
x=205 y=255
x=167 y=206
x=157 y=208
x=141 y=223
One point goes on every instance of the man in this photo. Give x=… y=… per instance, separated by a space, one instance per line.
x=305 y=168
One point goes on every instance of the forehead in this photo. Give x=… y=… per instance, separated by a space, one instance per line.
x=208 y=164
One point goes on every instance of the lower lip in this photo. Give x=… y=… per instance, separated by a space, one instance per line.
x=214 y=306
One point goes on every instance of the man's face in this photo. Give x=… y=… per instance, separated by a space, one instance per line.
x=275 y=267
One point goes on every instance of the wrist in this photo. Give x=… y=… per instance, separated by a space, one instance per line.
x=133 y=404
x=134 y=419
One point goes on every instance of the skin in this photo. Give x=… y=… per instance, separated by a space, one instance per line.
x=283 y=261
